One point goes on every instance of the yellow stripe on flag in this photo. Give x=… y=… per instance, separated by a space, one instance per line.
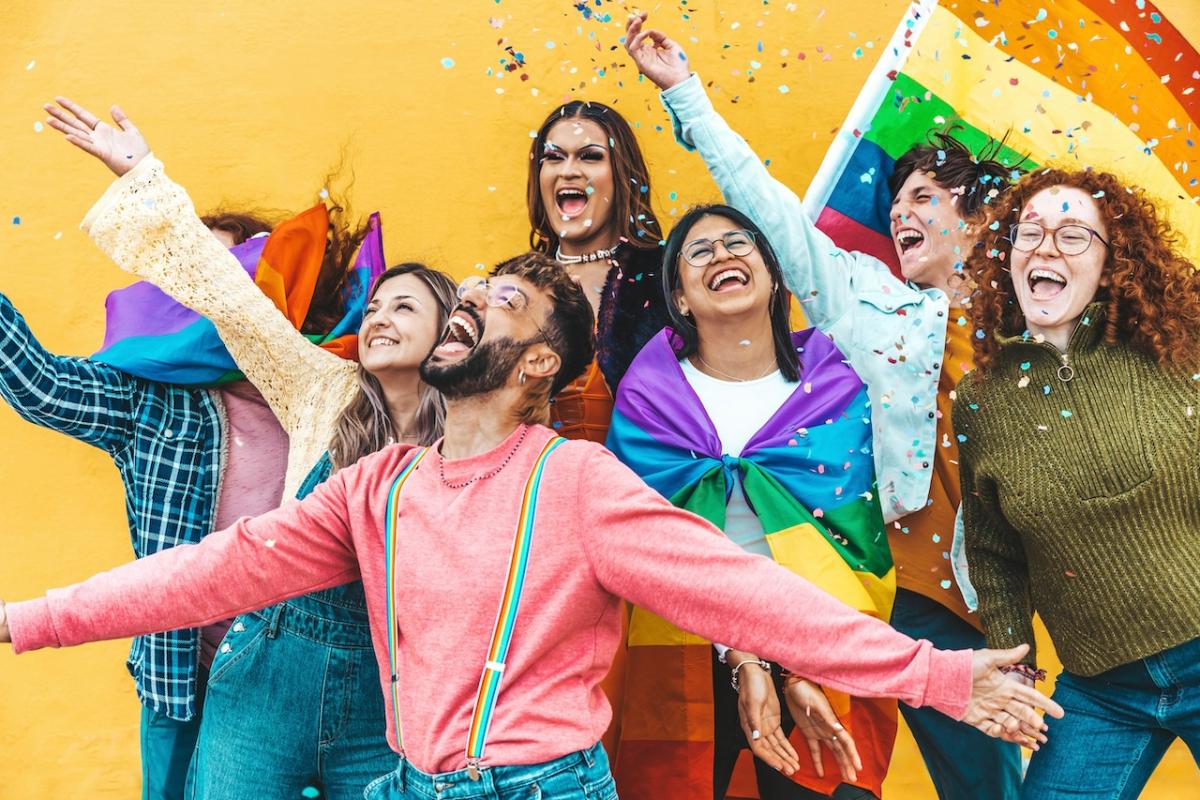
x=980 y=89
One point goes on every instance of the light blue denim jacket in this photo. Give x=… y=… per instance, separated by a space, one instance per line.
x=893 y=334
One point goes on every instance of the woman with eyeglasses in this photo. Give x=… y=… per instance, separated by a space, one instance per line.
x=292 y=705
x=766 y=433
x=1080 y=458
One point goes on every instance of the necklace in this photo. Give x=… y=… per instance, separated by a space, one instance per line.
x=733 y=378
x=586 y=258
x=516 y=446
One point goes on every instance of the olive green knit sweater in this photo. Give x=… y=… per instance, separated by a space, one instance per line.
x=1081 y=498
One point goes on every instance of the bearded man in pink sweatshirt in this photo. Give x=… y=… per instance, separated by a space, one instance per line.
x=431 y=535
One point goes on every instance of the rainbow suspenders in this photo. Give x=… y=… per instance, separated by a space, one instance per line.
x=506 y=616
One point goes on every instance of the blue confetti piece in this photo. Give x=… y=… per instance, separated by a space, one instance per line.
x=1065 y=414
x=447 y=63
x=16 y=220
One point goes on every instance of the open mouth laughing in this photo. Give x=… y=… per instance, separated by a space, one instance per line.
x=909 y=239
x=1045 y=284
x=728 y=279
x=463 y=332
x=571 y=201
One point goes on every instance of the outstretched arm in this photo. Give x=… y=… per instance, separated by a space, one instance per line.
x=76 y=396
x=147 y=224
x=820 y=274
x=689 y=573
x=301 y=547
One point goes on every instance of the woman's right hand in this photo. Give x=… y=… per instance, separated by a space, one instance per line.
x=120 y=148
x=658 y=58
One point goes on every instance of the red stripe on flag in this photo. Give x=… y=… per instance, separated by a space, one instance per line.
x=850 y=235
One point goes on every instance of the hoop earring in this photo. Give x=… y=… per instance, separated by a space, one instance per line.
x=521 y=377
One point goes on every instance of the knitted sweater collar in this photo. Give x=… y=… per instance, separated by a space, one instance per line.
x=1088 y=333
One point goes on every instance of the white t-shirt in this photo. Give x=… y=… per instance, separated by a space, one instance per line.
x=739 y=409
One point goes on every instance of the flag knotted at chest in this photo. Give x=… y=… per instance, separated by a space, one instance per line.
x=809 y=476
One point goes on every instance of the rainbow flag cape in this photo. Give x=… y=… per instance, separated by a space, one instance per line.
x=809 y=476
x=150 y=335
x=1102 y=83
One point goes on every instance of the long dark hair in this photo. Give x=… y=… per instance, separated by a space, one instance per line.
x=687 y=336
x=364 y=426
x=631 y=180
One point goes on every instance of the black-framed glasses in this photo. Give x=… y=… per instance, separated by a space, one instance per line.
x=701 y=252
x=500 y=293
x=1071 y=240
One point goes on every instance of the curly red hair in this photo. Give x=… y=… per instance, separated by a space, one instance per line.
x=1153 y=291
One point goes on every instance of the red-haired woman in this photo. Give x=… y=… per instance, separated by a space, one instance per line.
x=1080 y=463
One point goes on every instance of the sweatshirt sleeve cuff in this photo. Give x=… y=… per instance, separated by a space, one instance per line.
x=685 y=102
x=948 y=688
x=31 y=625
x=117 y=188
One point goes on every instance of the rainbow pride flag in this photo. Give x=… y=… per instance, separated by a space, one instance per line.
x=810 y=478
x=1102 y=83
x=151 y=335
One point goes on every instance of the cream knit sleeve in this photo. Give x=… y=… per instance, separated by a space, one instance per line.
x=146 y=223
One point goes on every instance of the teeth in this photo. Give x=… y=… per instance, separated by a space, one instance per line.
x=381 y=341
x=729 y=273
x=1045 y=274
x=565 y=193
x=465 y=329
x=908 y=238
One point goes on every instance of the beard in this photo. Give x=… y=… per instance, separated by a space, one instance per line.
x=485 y=370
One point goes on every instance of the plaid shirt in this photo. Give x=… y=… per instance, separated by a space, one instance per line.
x=167 y=443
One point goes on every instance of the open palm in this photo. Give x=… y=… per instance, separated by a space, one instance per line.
x=120 y=147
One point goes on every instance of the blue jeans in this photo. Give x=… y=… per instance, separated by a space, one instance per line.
x=964 y=763
x=294 y=707
x=1117 y=726
x=167 y=745
x=576 y=776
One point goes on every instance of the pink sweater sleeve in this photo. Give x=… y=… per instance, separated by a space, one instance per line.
x=680 y=567
x=298 y=548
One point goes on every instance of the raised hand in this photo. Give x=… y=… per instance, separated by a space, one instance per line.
x=761 y=718
x=819 y=725
x=658 y=58
x=120 y=148
x=1005 y=708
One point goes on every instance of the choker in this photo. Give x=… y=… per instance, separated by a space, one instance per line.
x=587 y=258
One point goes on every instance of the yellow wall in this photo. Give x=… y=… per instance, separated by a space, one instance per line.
x=249 y=103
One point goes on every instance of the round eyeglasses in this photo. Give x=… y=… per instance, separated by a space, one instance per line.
x=1071 y=240
x=498 y=293
x=701 y=252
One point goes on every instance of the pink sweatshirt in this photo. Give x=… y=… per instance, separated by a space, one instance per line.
x=601 y=534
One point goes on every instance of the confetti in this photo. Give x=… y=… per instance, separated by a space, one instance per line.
x=38 y=127
x=16 y=221
x=448 y=62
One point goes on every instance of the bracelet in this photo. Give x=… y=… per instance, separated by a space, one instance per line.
x=1033 y=673
x=733 y=677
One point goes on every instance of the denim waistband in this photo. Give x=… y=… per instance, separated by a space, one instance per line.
x=493 y=781
x=332 y=617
